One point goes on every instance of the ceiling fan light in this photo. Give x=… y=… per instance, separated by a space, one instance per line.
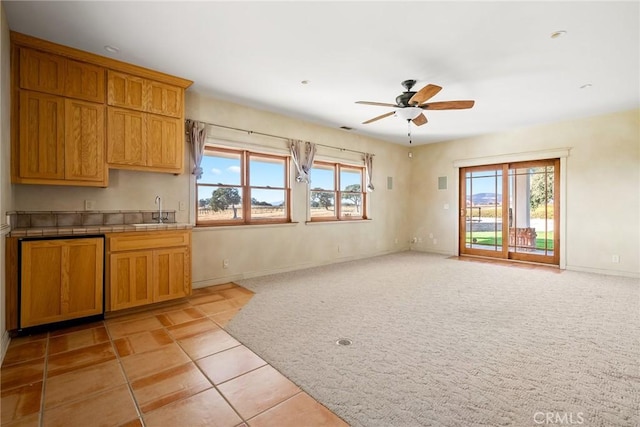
x=408 y=113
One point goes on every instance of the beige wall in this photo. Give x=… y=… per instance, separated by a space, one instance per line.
x=602 y=196
x=6 y=199
x=257 y=250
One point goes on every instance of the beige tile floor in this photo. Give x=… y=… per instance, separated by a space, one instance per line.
x=166 y=366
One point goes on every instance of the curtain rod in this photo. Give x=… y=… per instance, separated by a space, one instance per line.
x=250 y=132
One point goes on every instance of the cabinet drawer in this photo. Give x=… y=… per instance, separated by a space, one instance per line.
x=147 y=240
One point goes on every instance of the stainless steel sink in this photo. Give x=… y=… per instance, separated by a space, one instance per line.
x=147 y=225
x=153 y=225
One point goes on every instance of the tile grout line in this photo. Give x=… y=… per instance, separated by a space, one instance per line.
x=44 y=381
x=126 y=377
x=244 y=421
x=279 y=403
x=200 y=369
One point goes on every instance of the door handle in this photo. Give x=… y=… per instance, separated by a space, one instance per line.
x=461 y=212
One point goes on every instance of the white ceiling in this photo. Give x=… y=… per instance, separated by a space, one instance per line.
x=498 y=53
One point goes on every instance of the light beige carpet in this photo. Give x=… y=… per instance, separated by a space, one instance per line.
x=440 y=342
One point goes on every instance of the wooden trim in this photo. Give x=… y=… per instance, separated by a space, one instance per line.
x=513 y=158
x=20 y=39
x=504 y=253
x=15 y=115
x=11 y=277
x=244 y=188
x=118 y=242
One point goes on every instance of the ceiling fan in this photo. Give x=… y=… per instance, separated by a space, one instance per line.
x=410 y=104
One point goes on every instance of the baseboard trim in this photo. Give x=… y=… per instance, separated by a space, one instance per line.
x=606 y=272
x=212 y=281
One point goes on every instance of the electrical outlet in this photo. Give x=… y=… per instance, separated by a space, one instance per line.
x=435 y=241
x=615 y=258
x=181 y=206
x=431 y=235
x=89 y=205
x=225 y=263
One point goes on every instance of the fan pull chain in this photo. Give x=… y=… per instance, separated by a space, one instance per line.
x=409 y=130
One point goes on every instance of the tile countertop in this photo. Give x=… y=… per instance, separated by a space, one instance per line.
x=94 y=229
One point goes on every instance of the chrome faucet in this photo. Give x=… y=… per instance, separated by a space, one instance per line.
x=159 y=203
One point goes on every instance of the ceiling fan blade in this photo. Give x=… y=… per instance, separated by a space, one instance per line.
x=378 y=118
x=380 y=104
x=448 y=105
x=424 y=94
x=420 y=120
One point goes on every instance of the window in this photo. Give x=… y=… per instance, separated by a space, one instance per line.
x=241 y=187
x=331 y=182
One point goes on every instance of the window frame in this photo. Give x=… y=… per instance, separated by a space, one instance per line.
x=245 y=188
x=337 y=192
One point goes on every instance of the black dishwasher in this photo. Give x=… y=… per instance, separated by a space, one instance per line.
x=61 y=281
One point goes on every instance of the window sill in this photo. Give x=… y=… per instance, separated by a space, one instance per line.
x=199 y=228
x=341 y=221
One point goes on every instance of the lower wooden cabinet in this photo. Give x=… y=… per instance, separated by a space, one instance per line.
x=147 y=267
x=131 y=279
x=61 y=279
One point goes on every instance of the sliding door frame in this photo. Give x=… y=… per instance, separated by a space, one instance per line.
x=560 y=153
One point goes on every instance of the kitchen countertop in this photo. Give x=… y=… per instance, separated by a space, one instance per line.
x=94 y=229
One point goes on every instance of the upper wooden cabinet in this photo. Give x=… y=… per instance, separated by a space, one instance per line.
x=54 y=74
x=41 y=149
x=126 y=91
x=41 y=71
x=151 y=137
x=61 y=141
x=84 y=142
x=84 y=81
x=74 y=143
x=164 y=99
x=143 y=141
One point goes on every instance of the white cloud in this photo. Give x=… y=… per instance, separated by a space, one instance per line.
x=234 y=169
x=216 y=171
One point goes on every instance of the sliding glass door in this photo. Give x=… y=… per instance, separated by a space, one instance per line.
x=511 y=211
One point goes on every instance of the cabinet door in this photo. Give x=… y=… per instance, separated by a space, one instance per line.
x=84 y=141
x=131 y=275
x=126 y=91
x=42 y=72
x=126 y=138
x=41 y=148
x=61 y=280
x=164 y=142
x=85 y=81
x=171 y=273
x=164 y=99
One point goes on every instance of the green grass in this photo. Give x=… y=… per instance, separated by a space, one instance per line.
x=489 y=238
x=492 y=211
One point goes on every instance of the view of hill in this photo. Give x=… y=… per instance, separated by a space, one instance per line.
x=485 y=199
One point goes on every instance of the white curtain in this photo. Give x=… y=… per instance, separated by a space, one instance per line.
x=303 y=153
x=368 y=166
x=197 y=132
